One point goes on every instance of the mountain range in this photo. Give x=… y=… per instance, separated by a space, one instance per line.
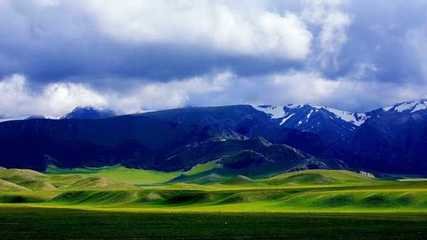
x=243 y=138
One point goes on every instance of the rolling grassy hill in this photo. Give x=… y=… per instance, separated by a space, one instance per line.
x=11 y=187
x=320 y=177
x=120 y=174
x=27 y=179
x=204 y=189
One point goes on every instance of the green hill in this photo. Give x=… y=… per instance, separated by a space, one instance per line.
x=319 y=177
x=27 y=179
x=97 y=198
x=120 y=174
x=97 y=183
x=208 y=187
x=6 y=186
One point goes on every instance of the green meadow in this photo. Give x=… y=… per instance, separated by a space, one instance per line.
x=208 y=201
x=200 y=189
x=54 y=223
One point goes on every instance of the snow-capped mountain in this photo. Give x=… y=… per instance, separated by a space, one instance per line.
x=388 y=117
x=332 y=124
x=408 y=107
x=393 y=136
x=303 y=114
x=390 y=139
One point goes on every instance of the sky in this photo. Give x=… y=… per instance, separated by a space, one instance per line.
x=138 y=55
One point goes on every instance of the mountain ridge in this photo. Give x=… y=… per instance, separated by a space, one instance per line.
x=388 y=139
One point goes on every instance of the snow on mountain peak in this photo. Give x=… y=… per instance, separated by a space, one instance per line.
x=293 y=106
x=353 y=118
x=286 y=112
x=412 y=106
x=274 y=111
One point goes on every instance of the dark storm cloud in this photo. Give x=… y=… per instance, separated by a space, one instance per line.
x=51 y=43
x=354 y=55
x=380 y=35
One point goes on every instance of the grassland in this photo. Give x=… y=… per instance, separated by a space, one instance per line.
x=120 y=174
x=201 y=190
x=36 y=223
x=201 y=203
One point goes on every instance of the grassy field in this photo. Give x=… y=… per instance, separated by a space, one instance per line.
x=200 y=190
x=203 y=204
x=120 y=174
x=35 y=223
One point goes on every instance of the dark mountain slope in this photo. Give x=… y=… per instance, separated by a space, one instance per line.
x=73 y=143
x=388 y=140
x=393 y=139
x=143 y=140
x=240 y=122
x=247 y=156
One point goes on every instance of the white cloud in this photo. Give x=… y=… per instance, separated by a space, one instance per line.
x=415 y=40
x=47 y=3
x=60 y=98
x=246 y=29
x=349 y=93
x=56 y=99
x=14 y=97
x=172 y=94
x=303 y=87
x=333 y=22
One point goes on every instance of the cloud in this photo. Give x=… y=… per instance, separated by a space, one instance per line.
x=415 y=41
x=348 y=93
x=18 y=98
x=56 y=99
x=14 y=98
x=47 y=3
x=177 y=93
x=141 y=54
x=313 y=87
x=60 y=98
x=380 y=38
x=50 y=40
x=223 y=88
x=332 y=22
x=219 y=25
